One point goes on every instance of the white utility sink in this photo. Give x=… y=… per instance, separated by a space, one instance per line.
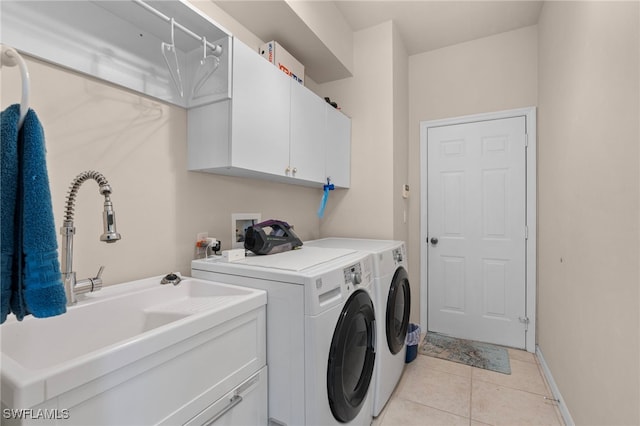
x=112 y=329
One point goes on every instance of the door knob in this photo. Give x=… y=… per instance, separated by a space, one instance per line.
x=434 y=240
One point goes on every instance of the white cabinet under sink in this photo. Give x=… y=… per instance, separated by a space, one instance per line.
x=271 y=128
x=112 y=360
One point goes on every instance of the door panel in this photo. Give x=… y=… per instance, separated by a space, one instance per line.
x=476 y=197
x=452 y=203
x=453 y=272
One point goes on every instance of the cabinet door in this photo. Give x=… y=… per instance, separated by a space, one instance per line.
x=338 y=147
x=260 y=113
x=307 y=145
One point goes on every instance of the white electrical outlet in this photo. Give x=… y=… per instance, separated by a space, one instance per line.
x=200 y=252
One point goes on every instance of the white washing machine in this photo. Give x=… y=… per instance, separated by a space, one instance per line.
x=392 y=301
x=320 y=331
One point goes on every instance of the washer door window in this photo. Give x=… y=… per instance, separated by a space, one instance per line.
x=351 y=357
x=398 y=308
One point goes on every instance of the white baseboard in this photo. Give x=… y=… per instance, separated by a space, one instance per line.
x=564 y=411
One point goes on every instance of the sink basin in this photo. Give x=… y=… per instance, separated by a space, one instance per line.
x=109 y=329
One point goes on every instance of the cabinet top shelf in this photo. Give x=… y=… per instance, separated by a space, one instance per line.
x=134 y=11
x=277 y=20
x=118 y=41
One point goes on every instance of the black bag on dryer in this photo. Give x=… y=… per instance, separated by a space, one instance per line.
x=271 y=236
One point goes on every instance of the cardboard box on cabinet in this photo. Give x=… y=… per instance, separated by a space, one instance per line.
x=277 y=55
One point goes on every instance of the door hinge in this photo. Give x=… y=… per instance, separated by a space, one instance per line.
x=525 y=321
x=526 y=140
x=526 y=232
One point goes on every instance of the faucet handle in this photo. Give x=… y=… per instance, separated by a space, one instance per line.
x=96 y=282
x=88 y=285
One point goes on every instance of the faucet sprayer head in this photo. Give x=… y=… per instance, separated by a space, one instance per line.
x=110 y=234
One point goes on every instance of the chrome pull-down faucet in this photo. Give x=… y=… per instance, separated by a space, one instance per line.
x=72 y=286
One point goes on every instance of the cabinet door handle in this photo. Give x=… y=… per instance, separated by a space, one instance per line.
x=287 y=170
x=295 y=170
x=235 y=400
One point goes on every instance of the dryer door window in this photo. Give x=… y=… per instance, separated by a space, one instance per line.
x=398 y=309
x=351 y=357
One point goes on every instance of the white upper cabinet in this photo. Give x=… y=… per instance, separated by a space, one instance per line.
x=245 y=116
x=247 y=135
x=259 y=114
x=308 y=134
x=271 y=128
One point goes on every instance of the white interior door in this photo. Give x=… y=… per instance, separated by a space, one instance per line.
x=476 y=230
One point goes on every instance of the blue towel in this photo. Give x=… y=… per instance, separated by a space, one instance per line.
x=8 y=193
x=35 y=283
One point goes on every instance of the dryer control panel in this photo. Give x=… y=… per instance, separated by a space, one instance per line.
x=353 y=274
x=398 y=256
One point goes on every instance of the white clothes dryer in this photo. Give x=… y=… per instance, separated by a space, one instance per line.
x=392 y=301
x=320 y=331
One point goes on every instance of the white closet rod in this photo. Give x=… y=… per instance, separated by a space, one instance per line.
x=216 y=49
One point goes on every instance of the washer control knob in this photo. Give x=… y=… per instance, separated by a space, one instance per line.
x=356 y=278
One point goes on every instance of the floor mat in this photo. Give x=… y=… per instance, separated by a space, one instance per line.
x=475 y=354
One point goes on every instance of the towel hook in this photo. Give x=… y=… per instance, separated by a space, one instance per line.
x=10 y=57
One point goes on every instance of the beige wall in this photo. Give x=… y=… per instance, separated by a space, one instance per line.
x=365 y=210
x=139 y=144
x=580 y=65
x=588 y=168
x=400 y=137
x=490 y=74
x=325 y=20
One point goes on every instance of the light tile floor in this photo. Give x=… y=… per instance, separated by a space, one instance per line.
x=439 y=392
